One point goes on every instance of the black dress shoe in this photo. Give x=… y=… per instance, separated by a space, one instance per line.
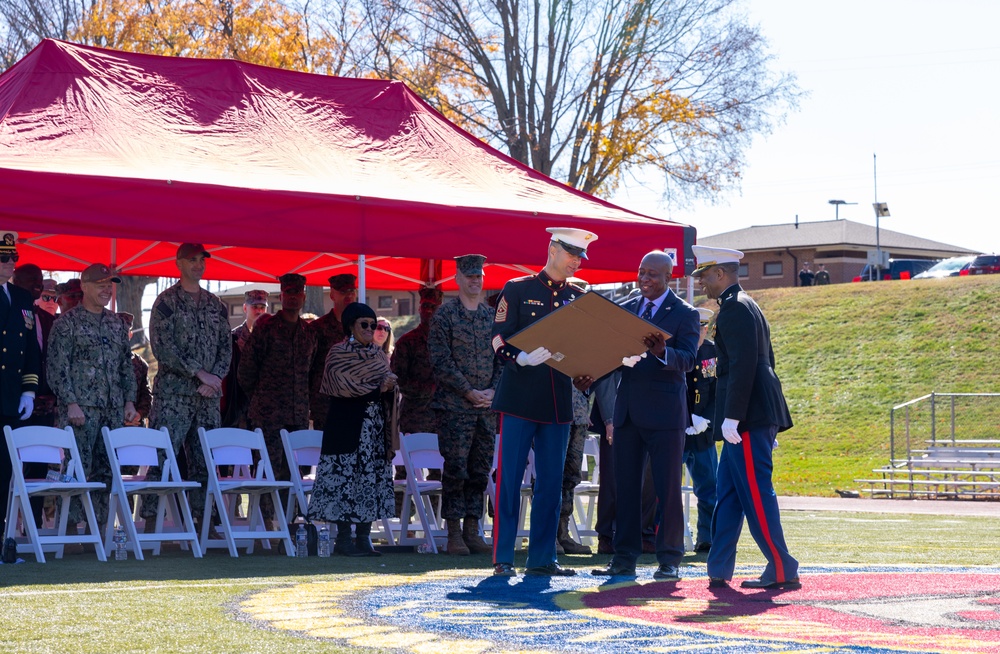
x=702 y=547
x=790 y=584
x=550 y=570
x=614 y=570
x=504 y=570
x=718 y=582
x=667 y=573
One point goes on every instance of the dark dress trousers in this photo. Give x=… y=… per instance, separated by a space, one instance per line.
x=650 y=417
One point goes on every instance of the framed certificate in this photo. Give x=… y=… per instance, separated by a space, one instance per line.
x=588 y=336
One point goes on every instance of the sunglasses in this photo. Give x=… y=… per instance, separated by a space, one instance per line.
x=48 y=298
x=4 y=258
x=367 y=324
x=384 y=328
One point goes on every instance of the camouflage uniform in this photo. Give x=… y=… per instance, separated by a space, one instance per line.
x=572 y=473
x=274 y=373
x=463 y=359
x=242 y=335
x=143 y=394
x=90 y=364
x=411 y=362
x=187 y=334
x=327 y=332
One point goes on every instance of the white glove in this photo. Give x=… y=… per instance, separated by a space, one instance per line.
x=540 y=355
x=26 y=406
x=629 y=362
x=730 y=431
x=698 y=425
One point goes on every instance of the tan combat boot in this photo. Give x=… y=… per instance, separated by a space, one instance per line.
x=569 y=545
x=456 y=544
x=472 y=538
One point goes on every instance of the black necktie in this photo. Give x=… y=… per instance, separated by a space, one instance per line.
x=647 y=313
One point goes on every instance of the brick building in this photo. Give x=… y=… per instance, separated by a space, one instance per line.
x=774 y=254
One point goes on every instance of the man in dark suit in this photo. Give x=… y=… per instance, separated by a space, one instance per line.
x=20 y=356
x=650 y=417
x=750 y=410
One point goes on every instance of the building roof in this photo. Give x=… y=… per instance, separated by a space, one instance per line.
x=836 y=234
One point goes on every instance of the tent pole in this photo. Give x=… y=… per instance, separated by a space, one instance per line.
x=114 y=269
x=361 y=279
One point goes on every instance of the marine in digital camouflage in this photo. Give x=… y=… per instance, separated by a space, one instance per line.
x=89 y=363
x=327 y=331
x=188 y=333
x=274 y=373
x=463 y=360
x=411 y=362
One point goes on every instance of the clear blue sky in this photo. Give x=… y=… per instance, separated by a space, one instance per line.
x=915 y=82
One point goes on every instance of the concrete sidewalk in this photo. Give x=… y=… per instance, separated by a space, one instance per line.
x=925 y=507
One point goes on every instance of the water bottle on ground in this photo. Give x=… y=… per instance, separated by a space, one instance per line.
x=323 y=545
x=121 y=544
x=301 y=541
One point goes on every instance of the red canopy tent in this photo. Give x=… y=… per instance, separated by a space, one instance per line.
x=118 y=157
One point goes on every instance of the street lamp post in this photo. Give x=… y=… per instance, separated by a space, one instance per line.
x=836 y=204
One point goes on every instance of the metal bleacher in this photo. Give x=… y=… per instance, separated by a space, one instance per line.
x=933 y=461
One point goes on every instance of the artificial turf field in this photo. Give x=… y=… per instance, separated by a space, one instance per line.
x=871 y=583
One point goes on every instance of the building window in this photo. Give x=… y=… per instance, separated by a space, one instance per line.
x=772 y=269
x=744 y=270
x=384 y=301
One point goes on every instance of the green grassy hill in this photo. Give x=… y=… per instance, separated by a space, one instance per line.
x=848 y=353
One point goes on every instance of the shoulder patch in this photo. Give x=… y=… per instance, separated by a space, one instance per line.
x=501 y=315
x=164 y=309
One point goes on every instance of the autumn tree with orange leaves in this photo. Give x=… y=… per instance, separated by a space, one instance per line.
x=587 y=91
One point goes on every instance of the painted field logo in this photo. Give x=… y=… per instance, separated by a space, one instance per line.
x=838 y=609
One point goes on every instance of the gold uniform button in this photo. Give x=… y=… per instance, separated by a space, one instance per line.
x=555 y=294
x=532 y=313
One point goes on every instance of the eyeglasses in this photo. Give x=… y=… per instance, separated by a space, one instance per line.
x=367 y=324
x=4 y=258
x=48 y=298
x=384 y=328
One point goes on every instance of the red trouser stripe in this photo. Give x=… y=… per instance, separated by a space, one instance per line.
x=758 y=507
x=496 y=488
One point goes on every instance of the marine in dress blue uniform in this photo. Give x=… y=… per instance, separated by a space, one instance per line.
x=536 y=404
x=700 y=455
x=750 y=411
x=20 y=361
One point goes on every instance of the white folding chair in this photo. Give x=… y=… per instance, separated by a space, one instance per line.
x=585 y=493
x=387 y=529
x=235 y=447
x=420 y=453
x=302 y=450
x=139 y=446
x=687 y=490
x=527 y=493
x=36 y=444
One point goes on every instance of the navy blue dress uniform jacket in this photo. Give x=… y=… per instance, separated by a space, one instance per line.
x=748 y=389
x=653 y=395
x=701 y=395
x=537 y=393
x=20 y=360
